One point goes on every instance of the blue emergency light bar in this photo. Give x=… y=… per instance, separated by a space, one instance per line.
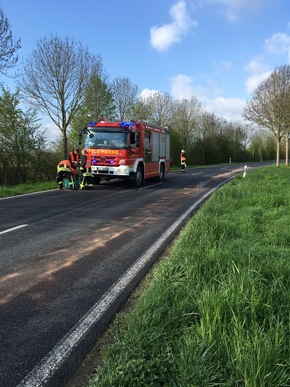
x=122 y=123
x=127 y=124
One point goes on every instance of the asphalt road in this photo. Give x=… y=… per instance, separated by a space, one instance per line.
x=70 y=259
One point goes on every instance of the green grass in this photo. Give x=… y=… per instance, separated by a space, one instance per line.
x=215 y=312
x=20 y=189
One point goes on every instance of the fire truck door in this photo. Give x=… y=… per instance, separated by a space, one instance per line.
x=147 y=146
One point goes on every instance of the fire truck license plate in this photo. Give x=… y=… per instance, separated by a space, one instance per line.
x=102 y=169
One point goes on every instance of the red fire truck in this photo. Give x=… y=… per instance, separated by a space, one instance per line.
x=134 y=150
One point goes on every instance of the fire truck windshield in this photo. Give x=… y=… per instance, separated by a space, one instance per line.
x=106 y=138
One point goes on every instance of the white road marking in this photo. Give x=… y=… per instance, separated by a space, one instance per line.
x=13 y=228
x=150 y=186
x=28 y=194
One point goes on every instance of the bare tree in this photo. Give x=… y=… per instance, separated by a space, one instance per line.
x=55 y=79
x=205 y=133
x=158 y=108
x=125 y=97
x=286 y=137
x=98 y=103
x=8 y=47
x=269 y=107
x=247 y=135
x=185 y=119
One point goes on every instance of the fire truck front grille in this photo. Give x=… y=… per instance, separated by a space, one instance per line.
x=102 y=160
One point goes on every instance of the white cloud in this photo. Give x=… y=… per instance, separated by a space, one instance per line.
x=256 y=66
x=279 y=43
x=51 y=130
x=182 y=87
x=161 y=38
x=232 y=8
x=146 y=93
x=259 y=71
x=228 y=108
x=254 y=80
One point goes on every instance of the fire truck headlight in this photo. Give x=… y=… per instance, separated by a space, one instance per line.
x=121 y=161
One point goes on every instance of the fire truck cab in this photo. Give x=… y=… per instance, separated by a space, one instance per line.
x=133 y=150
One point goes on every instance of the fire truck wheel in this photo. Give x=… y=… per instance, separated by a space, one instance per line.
x=138 y=178
x=97 y=180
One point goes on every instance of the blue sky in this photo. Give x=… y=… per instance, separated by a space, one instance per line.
x=215 y=50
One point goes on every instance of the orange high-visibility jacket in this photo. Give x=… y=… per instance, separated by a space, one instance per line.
x=85 y=162
x=65 y=166
x=182 y=158
x=74 y=157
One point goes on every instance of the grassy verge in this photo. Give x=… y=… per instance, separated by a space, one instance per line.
x=26 y=188
x=216 y=310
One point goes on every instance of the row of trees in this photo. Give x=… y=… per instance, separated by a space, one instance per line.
x=24 y=156
x=64 y=81
x=269 y=107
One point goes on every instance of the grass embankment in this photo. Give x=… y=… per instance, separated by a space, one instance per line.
x=20 y=189
x=216 y=311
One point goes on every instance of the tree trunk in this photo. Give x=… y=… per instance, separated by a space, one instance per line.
x=287 y=148
x=278 y=152
x=65 y=148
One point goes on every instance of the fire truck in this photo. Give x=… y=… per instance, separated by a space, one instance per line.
x=133 y=150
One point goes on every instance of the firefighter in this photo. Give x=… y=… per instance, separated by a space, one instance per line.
x=183 y=160
x=65 y=171
x=85 y=178
x=74 y=158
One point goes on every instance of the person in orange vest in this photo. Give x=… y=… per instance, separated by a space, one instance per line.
x=74 y=158
x=183 y=160
x=86 y=179
x=65 y=171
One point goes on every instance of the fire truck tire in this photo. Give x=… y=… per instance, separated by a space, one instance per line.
x=97 y=180
x=139 y=176
x=161 y=172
